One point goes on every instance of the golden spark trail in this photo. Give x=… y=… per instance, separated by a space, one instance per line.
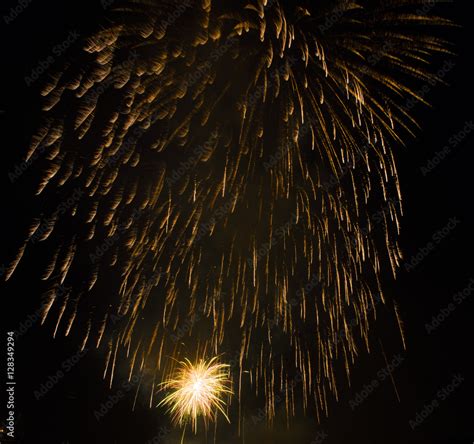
x=227 y=152
x=197 y=390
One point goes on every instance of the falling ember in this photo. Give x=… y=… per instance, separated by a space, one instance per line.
x=228 y=159
x=198 y=389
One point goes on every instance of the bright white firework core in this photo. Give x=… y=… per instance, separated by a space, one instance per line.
x=197 y=389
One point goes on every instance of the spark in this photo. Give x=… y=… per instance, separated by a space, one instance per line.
x=197 y=390
x=196 y=130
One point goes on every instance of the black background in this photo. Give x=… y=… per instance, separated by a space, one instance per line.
x=66 y=413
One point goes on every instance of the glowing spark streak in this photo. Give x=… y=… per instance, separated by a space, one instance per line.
x=197 y=390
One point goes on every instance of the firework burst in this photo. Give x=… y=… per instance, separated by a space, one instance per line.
x=197 y=390
x=229 y=154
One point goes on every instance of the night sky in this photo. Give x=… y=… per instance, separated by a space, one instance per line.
x=436 y=280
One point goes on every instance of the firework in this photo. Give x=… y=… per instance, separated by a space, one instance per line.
x=230 y=153
x=197 y=390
